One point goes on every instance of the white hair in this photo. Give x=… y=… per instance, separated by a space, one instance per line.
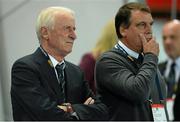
x=46 y=18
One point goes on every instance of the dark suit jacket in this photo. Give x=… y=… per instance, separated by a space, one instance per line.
x=35 y=91
x=162 y=67
x=176 y=108
x=126 y=88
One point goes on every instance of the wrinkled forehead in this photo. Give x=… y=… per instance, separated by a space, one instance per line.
x=63 y=18
x=140 y=16
x=64 y=15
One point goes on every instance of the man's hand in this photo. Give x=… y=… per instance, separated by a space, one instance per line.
x=90 y=100
x=149 y=46
x=66 y=107
x=63 y=108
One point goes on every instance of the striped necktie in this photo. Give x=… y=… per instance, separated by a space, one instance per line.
x=60 y=72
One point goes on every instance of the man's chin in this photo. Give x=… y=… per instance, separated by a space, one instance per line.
x=68 y=51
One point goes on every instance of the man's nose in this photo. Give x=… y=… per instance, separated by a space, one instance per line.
x=74 y=35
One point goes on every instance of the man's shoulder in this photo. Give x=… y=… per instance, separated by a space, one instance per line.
x=73 y=68
x=26 y=59
x=71 y=65
x=25 y=62
x=30 y=58
x=112 y=54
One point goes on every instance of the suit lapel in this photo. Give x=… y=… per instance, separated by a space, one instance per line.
x=73 y=89
x=48 y=72
x=178 y=87
x=162 y=67
x=68 y=82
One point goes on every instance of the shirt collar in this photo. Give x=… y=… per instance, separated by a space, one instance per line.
x=55 y=62
x=177 y=62
x=129 y=51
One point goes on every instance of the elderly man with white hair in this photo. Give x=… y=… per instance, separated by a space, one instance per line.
x=47 y=87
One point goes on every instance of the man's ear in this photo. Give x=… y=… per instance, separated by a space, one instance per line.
x=44 y=33
x=122 y=31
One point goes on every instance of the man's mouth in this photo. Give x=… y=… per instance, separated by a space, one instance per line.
x=70 y=42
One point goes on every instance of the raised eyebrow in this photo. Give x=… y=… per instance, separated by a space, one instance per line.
x=140 y=23
x=68 y=26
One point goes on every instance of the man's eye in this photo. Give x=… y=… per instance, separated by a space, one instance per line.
x=67 y=28
x=141 y=25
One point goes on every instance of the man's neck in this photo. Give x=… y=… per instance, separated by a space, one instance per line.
x=53 y=53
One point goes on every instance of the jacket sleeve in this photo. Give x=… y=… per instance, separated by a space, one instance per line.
x=116 y=76
x=96 y=111
x=27 y=91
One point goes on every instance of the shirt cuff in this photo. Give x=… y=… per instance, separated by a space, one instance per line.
x=74 y=114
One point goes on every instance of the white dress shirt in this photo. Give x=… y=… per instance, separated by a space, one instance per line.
x=54 y=63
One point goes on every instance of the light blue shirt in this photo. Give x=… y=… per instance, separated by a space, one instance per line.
x=129 y=51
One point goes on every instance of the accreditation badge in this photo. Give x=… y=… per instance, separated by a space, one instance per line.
x=158 y=111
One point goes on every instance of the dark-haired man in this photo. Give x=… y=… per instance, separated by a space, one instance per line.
x=127 y=76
